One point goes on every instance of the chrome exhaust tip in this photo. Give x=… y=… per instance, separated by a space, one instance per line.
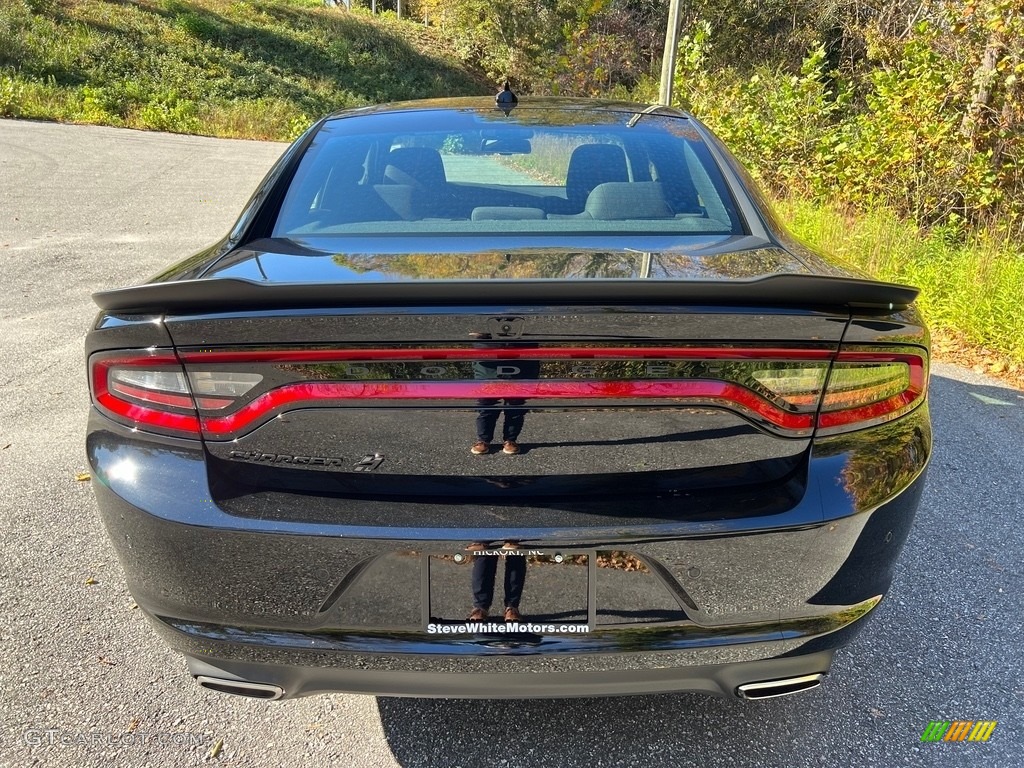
x=264 y=691
x=785 y=686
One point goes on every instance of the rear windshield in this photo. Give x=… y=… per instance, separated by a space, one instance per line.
x=536 y=171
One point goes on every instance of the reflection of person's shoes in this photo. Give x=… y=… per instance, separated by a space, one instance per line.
x=476 y=545
x=511 y=447
x=510 y=545
x=480 y=447
x=512 y=614
x=478 y=614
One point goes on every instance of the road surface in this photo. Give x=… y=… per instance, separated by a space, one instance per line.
x=85 y=208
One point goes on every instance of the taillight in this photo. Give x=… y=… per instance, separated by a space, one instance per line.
x=872 y=386
x=793 y=386
x=778 y=388
x=219 y=389
x=791 y=392
x=150 y=391
x=145 y=389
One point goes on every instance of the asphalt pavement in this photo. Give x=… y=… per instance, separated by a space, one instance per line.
x=85 y=682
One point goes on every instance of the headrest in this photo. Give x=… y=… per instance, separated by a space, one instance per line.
x=415 y=165
x=616 y=201
x=593 y=164
x=506 y=213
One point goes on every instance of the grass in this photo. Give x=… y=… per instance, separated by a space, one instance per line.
x=548 y=161
x=972 y=286
x=229 y=68
x=264 y=69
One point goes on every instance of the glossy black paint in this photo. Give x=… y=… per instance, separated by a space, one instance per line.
x=703 y=550
x=249 y=589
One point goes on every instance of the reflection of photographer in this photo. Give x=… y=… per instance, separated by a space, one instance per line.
x=491 y=408
x=485 y=569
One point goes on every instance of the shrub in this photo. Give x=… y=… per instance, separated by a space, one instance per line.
x=12 y=92
x=893 y=137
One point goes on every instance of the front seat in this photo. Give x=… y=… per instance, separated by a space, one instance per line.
x=590 y=165
x=415 y=165
x=417 y=180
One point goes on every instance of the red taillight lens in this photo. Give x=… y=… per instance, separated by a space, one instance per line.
x=783 y=390
x=869 y=386
x=145 y=390
x=149 y=390
x=778 y=388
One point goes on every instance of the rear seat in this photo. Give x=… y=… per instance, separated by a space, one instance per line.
x=610 y=201
x=589 y=166
x=620 y=200
x=506 y=213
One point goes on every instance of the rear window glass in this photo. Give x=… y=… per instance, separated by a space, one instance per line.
x=536 y=171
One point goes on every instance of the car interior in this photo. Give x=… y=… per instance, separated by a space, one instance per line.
x=606 y=183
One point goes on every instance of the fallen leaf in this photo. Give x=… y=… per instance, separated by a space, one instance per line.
x=218 y=745
x=133 y=724
x=83 y=476
x=7 y=446
x=108 y=662
x=90 y=581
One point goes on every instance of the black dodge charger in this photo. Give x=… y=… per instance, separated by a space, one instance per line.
x=519 y=402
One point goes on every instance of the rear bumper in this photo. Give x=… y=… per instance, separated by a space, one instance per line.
x=665 y=677
x=603 y=663
x=311 y=607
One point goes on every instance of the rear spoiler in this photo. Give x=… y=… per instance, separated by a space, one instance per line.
x=220 y=294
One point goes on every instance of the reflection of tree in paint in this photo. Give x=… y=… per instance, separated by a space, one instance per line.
x=557 y=264
x=496 y=266
x=898 y=451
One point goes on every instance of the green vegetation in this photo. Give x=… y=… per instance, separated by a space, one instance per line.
x=917 y=105
x=892 y=132
x=901 y=135
x=560 y=47
x=893 y=136
x=548 y=161
x=972 y=286
x=219 y=67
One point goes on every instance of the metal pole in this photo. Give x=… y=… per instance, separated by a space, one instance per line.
x=668 y=61
x=399 y=5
